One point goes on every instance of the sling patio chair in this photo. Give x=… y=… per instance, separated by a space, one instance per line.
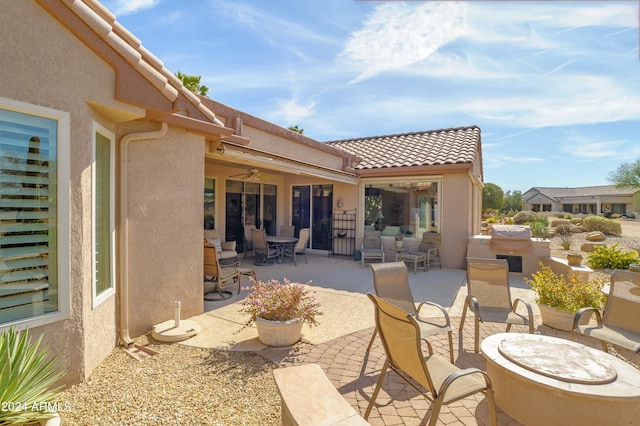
x=489 y=297
x=428 y=252
x=391 y=283
x=300 y=247
x=620 y=323
x=287 y=231
x=262 y=250
x=220 y=276
x=372 y=247
x=444 y=382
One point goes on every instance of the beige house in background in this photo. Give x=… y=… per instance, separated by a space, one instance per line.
x=106 y=160
x=605 y=199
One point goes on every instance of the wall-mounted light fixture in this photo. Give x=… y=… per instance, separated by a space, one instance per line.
x=340 y=202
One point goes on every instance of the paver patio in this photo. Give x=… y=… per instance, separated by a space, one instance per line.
x=340 y=351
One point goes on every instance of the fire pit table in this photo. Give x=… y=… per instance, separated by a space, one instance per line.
x=543 y=380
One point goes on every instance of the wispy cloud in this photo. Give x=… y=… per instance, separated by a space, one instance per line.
x=397 y=35
x=123 y=7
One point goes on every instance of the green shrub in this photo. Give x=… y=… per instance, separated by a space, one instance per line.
x=576 y=221
x=525 y=216
x=570 y=216
x=566 y=293
x=558 y=214
x=611 y=257
x=538 y=229
x=602 y=224
x=27 y=376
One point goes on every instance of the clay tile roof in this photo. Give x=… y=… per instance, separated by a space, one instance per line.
x=427 y=148
x=585 y=191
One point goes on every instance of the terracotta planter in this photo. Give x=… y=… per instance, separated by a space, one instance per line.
x=574 y=259
x=278 y=333
x=562 y=320
x=398 y=244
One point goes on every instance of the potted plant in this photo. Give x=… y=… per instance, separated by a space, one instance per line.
x=27 y=377
x=559 y=297
x=399 y=237
x=279 y=310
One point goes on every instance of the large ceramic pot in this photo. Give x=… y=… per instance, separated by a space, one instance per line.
x=278 y=333
x=562 y=320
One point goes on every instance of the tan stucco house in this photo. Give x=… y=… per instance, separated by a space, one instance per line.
x=111 y=170
x=604 y=199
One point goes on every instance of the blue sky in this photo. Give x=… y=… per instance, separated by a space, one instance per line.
x=554 y=86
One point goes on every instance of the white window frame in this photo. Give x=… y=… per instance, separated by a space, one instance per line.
x=63 y=119
x=106 y=294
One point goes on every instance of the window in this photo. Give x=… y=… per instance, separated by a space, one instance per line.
x=103 y=206
x=209 y=204
x=34 y=214
x=408 y=208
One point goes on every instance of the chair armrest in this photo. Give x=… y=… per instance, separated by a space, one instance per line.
x=526 y=304
x=445 y=314
x=460 y=374
x=578 y=315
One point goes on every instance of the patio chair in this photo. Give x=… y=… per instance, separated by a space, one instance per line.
x=444 y=382
x=427 y=252
x=489 y=297
x=287 y=231
x=262 y=250
x=620 y=324
x=248 y=240
x=391 y=282
x=220 y=276
x=372 y=247
x=300 y=247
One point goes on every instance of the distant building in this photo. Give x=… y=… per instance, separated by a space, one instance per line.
x=606 y=199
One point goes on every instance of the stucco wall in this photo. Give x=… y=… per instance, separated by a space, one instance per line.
x=165 y=196
x=46 y=65
x=456 y=220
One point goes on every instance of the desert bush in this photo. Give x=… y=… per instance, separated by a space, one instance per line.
x=612 y=257
x=575 y=221
x=602 y=224
x=559 y=215
x=525 y=216
x=566 y=293
x=555 y=222
x=566 y=240
x=563 y=229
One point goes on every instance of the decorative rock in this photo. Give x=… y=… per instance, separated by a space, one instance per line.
x=577 y=229
x=589 y=247
x=596 y=236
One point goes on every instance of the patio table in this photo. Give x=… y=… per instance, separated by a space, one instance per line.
x=551 y=381
x=281 y=243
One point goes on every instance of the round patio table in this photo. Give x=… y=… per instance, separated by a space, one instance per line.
x=281 y=243
x=546 y=380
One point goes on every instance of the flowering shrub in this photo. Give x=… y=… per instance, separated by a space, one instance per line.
x=612 y=257
x=566 y=293
x=275 y=301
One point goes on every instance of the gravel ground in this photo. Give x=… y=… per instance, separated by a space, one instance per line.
x=194 y=386
x=180 y=386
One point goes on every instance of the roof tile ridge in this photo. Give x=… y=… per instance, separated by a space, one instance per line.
x=446 y=129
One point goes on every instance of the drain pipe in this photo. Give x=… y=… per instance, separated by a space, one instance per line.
x=123 y=298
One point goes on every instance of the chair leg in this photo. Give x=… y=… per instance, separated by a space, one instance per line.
x=435 y=411
x=451 y=346
x=493 y=418
x=464 y=316
x=476 y=337
x=378 y=386
x=373 y=336
x=305 y=257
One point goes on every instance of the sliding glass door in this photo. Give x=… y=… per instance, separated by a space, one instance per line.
x=311 y=208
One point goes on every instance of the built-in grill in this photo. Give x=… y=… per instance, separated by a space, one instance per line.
x=511 y=242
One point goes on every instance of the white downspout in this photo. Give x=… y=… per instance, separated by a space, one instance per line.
x=123 y=294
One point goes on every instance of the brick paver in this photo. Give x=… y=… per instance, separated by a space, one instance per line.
x=354 y=374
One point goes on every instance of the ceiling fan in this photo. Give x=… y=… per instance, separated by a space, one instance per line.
x=252 y=175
